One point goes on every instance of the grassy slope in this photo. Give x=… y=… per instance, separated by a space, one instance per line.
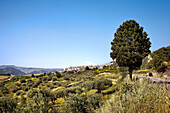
x=70 y=81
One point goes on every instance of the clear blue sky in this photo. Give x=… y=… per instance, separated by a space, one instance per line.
x=63 y=33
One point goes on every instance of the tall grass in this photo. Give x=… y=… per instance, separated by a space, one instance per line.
x=140 y=97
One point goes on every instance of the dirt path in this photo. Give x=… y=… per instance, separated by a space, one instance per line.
x=154 y=80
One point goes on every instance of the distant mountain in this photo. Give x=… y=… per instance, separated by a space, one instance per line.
x=16 y=70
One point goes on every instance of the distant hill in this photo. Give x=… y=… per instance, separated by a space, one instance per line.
x=16 y=70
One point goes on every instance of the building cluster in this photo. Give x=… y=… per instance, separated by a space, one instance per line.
x=82 y=68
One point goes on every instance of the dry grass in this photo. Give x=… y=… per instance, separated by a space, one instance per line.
x=140 y=97
x=3 y=77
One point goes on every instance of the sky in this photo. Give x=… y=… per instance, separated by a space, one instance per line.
x=63 y=33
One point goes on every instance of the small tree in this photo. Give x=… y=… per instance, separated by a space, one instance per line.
x=87 y=68
x=130 y=45
x=32 y=75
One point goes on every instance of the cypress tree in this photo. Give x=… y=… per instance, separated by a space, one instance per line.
x=130 y=45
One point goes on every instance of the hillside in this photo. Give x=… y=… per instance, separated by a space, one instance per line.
x=16 y=70
x=88 y=91
x=85 y=89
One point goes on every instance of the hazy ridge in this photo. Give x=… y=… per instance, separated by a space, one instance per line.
x=16 y=70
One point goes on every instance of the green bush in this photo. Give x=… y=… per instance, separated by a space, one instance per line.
x=66 y=78
x=18 y=93
x=60 y=93
x=32 y=75
x=34 y=85
x=29 y=81
x=56 y=83
x=49 y=78
x=54 y=79
x=38 y=101
x=102 y=84
x=26 y=88
x=18 y=84
x=30 y=85
x=76 y=103
x=58 y=75
x=44 y=78
x=8 y=105
x=4 y=90
x=52 y=87
x=94 y=100
x=23 y=81
x=15 y=89
x=88 y=85
x=65 y=84
x=140 y=97
x=150 y=74
x=23 y=84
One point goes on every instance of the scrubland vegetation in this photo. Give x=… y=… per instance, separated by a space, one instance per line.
x=100 y=91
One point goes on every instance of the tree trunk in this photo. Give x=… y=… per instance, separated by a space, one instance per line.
x=130 y=73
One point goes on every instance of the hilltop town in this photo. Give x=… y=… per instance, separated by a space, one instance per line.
x=82 y=68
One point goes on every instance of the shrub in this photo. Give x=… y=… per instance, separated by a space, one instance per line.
x=65 y=84
x=32 y=75
x=36 y=84
x=48 y=85
x=56 y=83
x=23 y=84
x=44 y=78
x=59 y=93
x=88 y=85
x=140 y=97
x=41 y=78
x=72 y=90
x=18 y=93
x=49 y=78
x=38 y=101
x=94 y=100
x=52 y=87
x=22 y=80
x=29 y=81
x=87 y=68
x=4 y=90
x=101 y=84
x=30 y=84
x=58 y=75
x=150 y=74
x=15 y=89
x=18 y=84
x=76 y=104
x=54 y=79
x=7 y=105
x=66 y=78
x=23 y=93
x=26 y=88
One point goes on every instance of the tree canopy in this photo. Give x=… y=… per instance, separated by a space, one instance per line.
x=161 y=59
x=130 y=45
